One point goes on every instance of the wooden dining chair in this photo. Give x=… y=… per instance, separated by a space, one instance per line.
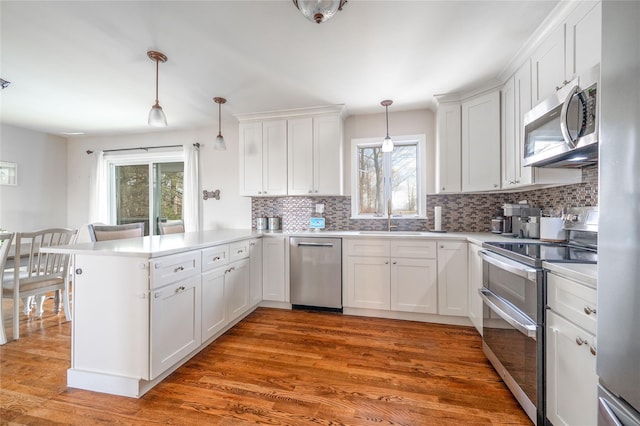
x=115 y=232
x=5 y=240
x=171 y=227
x=36 y=273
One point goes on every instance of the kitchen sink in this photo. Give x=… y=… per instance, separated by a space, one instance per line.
x=389 y=233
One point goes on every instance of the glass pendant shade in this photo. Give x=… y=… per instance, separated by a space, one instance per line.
x=319 y=11
x=219 y=144
x=387 y=144
x=157 y=117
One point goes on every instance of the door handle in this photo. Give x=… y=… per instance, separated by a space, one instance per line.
x=511 y=315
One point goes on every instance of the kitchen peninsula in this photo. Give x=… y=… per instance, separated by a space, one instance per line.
x=144 y=306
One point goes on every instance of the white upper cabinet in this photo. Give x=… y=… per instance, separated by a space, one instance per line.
x=510 y=155
x=583 y=38
x=571 y=48
x=448 y=148
x=481 y=143
x=263 y=157
x=315 y=155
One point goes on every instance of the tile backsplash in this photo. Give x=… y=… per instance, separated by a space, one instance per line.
x=460 y=212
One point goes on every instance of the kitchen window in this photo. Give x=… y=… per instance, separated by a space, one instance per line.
x=395 y=179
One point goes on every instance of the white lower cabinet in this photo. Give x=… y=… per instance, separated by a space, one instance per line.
x=275 y=268
x=175 y=323
x=390 y=275
x=475 y=284
x=572 y=396
x=214 y=316
x=236 y=288
x=452 y=278
x=255 y=275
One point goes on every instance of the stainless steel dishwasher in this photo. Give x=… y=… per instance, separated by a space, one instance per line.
x=316 y=273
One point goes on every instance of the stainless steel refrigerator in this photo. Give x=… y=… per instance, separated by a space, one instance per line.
x=618 y=333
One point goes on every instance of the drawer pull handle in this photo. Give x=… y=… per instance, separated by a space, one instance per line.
x=179 y=268
x=233 y=268
x=580 y=341
x=592 y=349
x=215 y=259
x=179 y=289
x=240 y=251
x=589 y=310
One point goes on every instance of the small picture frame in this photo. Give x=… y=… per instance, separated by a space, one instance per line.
x=8 y=173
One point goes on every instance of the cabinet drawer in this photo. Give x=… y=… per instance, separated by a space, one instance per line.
x=368 y=247
x=414 y=249
x=169 y=269
x=574 y=301
x=215 y=256
x=239 y=250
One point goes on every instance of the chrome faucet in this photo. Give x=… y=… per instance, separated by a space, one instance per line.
x=389 y=226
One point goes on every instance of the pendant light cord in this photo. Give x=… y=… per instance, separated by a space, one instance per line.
x=386 y=107
x=158 y=103
x=219 y=122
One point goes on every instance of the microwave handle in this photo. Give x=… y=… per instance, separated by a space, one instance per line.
x=570 y=140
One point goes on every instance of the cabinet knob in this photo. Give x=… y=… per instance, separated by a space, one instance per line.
x=240 y=251
x=580 y=341
x=310 y=191
x=495 y=185
x=395 y=263
x=386 y=263
x=181 y=288
x=179 y=268
x=215 y=259
x=443 y=188
x=592 y=349
x=252 y=244
x=589 y=310
x=316 y=191
x=78 y=271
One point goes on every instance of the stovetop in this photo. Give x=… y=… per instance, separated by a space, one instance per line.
x=534 y=254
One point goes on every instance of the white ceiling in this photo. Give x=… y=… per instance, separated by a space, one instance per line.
x=81 y=66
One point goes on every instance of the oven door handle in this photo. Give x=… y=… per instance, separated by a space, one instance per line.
x=511 y=315
x=508 y=265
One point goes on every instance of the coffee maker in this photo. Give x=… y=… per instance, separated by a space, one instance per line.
x=521 y=220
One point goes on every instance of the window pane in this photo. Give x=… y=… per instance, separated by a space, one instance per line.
x=370 y=179
x=168 y=190
x=404 y=180
x=132 y=194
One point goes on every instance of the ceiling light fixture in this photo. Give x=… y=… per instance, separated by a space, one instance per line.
x=387 y=144
x=319 y=10
x=219 y=144
x=156 y=115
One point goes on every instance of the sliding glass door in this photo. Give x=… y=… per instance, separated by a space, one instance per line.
x=148 y=190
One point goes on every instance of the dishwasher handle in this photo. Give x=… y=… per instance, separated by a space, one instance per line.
x=315 y=245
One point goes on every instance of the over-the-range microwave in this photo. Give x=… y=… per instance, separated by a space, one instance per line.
x=562 y=131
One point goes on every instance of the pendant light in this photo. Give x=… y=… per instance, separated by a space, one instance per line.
x=387 y=144
x=319 y=10
x=219 y=144
x=156 y=115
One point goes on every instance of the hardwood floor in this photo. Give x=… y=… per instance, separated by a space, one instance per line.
x=276 y=367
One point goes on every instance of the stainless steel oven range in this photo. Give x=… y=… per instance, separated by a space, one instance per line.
x=514 y=302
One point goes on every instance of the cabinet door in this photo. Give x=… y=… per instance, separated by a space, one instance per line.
x=214 y=316
x=584 y=38
x=274 y=157
x=175 y=323
x=548 y=65
x=475 y=284
x=572 y=395
x=250 y=157
x=327 y=155
x=236 y=288
x=414 y=285
x=367 y=282
x=509 y=132
x=522 y=83
x=300 y=158
x=452 y=278
x=481 y=143
x=449 y=146
x=274 y=269
x=255 y=256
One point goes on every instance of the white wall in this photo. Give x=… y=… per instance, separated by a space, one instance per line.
x=40 y=198
x=218 y=170
x=400 y=123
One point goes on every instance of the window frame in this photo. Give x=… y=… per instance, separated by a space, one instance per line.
x=420 y=141
x=112 y=160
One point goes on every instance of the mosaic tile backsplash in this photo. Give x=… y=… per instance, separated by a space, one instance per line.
x=460 y=212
